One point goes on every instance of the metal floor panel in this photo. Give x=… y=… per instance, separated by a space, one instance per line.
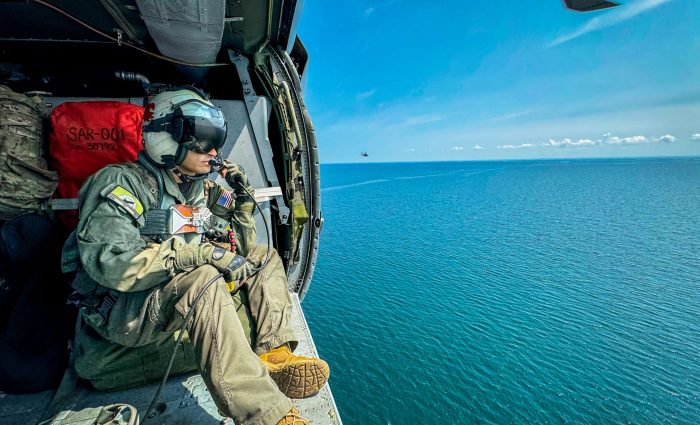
x=23 y=409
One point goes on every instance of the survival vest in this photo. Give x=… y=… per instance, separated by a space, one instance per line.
x=26 y=183
x=85 y=137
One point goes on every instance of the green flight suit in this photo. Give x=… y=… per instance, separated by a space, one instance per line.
x=153 y=295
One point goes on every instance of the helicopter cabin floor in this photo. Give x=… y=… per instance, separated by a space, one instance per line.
x=183 y=400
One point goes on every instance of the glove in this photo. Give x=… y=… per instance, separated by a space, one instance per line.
x=190 y=255
x=235 y=267
x=238 y=181
x=240 y=270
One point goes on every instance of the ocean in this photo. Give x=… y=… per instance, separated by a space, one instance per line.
x=518 y=292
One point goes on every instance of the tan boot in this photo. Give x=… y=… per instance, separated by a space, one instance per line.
x=293 y=418
x=296 y=376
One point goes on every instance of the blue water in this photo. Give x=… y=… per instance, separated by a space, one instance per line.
x=511 y=292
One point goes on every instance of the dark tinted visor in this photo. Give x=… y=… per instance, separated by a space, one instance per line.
x=202 y=131
x=201 y=135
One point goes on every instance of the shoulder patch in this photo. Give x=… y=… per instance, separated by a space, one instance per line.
x=225 y=199
x=126 y=200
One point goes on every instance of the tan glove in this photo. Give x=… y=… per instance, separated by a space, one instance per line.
x=190 y=255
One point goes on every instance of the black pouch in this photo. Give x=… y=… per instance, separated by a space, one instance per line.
x=35 y=322
x=22 y=241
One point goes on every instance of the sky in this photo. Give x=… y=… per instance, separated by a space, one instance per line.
x=501 y=79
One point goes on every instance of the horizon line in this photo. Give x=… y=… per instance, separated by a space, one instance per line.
x=696 y=156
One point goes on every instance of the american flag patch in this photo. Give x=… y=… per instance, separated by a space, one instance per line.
x=225 y=199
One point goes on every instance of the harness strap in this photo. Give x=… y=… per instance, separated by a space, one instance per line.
x=108 y=302
x=159 y=222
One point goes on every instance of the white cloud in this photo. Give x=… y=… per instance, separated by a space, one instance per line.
x=369 y=11
x=522 y=146
x=695 y=136
x=552 y=142
x=609 y=139
x=614 y=17
x=479 y=147
x=408 y=150
x=365 y=95
x=568 y=142
x=457 y=148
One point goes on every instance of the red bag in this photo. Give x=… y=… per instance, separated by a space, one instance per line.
x=85 y=137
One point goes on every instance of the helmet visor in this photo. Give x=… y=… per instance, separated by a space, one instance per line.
x=204 y=129
x=203 y=135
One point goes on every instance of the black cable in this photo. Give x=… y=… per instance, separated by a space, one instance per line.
x=177 y=343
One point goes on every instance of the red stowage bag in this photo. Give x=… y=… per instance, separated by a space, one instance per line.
x=85 y=137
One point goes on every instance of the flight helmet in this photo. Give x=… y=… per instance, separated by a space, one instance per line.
x=179 y=120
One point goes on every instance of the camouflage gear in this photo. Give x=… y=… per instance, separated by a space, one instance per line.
x=25 y=181
x=152 y=292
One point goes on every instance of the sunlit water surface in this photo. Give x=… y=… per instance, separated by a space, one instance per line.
x=511 y=292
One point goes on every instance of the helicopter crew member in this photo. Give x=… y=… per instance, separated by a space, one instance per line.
x=145 y=262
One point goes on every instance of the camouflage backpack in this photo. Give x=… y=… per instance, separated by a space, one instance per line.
x=26 y=183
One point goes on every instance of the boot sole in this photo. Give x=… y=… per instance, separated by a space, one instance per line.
x=301 y=379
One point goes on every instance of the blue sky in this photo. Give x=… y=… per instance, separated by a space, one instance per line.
x=502 y=79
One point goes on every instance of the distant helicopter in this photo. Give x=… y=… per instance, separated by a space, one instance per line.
x=364 y=154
